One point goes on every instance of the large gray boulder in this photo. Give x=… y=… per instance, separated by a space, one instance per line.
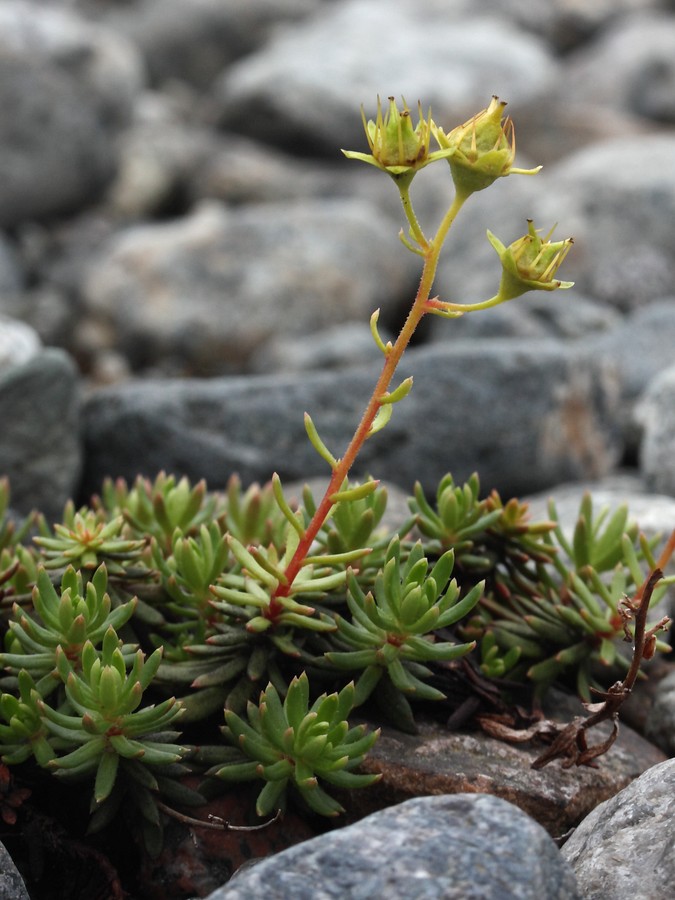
x=656 y=415
x=457 y=847
x=624 y=848
x=194 y=41
x=210 y=288
x=66 y=89
x=40 y=450
x=12 y=886
x=526 y=417
x=660 y=726
x=616 y=198
x=641 y=347
x=631 y=67
x=303 y=89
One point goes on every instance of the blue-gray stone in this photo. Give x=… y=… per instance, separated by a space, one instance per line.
x=40 y=449
x=625 y=849
x=456 y=847
x=525 y=416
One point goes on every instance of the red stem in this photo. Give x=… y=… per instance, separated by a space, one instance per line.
x=420 y=306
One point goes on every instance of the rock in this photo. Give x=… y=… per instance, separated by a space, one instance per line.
x=616 y=198
x=11 y=883
x=660 y=725
x=209 y=289
x=40 y=450
x=524 y=416
x=631 y=66
x=195 y=861
x=11 y=276
x=467 y=846
x=535 y=316
x=624 y=848
x=438 y=761
x=655 y=413
x=567 y=23
x=195 y=42
x=97 y=56
x=336 y=347
x=65 y=90
x=641 y=346
x=451 y=64
x=18 y=343
x=47 y=312
x=159 y=155
x=654 y=513
x=562 y=123
x=247 y=171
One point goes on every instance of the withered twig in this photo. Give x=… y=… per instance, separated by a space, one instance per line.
x=215 y=822
x=569 y=743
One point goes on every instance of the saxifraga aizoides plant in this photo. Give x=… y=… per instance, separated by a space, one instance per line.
x=291 y=614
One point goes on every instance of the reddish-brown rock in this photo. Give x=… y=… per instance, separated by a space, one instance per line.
x=437 y=761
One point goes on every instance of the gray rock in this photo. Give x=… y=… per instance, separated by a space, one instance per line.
x=656 y=414
x=332 y=348
x=196 y=41
x=18 y=343
x=248 y=171
x=641 y=346
x=463 y=846
x=625 y=848
x=11 y=882
x=11 y=276
x=96 y=56
x=563 y=123
x=653 y=513
x=65 y=89
x=660 y=725
x=212 y=287
x=524 y=416
x=452 y=65
x=439 y=761
x=631 y=66
x=535 y=316
x=617 y=199
x=47 y=312
x=159 y=155
x=40 y=450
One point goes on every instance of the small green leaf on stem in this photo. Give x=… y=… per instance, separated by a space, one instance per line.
x=317 y=443
x=385 y=348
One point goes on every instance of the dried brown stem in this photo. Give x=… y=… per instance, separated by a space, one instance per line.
x=214 y=822
x=569 y=741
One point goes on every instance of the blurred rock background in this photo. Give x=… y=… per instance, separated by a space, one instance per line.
x=183 y=246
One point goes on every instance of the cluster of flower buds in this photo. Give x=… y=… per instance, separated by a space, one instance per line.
x=479 y=151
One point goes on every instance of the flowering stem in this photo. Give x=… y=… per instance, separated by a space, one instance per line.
x=415 y=230
x=420 y=306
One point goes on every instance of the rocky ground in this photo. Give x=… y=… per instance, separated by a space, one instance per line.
x=187 y=262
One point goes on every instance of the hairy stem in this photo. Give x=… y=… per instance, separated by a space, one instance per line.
x=393 y=357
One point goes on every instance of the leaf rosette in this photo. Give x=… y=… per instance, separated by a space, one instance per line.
x=293 y=744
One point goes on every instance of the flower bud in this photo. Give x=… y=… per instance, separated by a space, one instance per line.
x=530 y=263
x=396 y=146
x=481 y=150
